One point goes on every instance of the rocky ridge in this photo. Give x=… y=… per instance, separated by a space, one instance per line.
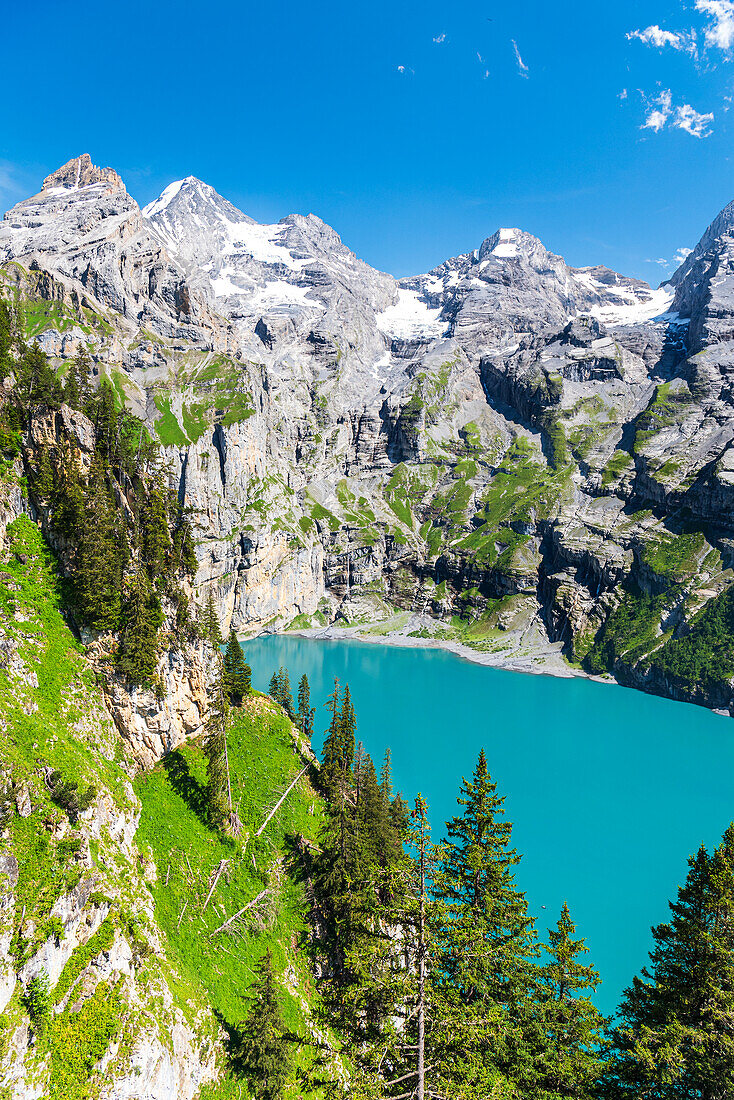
x=505 y=450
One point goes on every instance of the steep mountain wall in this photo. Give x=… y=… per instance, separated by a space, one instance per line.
x=510 y=452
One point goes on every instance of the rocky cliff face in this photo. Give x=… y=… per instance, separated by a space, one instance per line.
x=76 y=914
x=505 y=442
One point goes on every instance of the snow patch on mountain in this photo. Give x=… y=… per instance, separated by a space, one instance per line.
x=656 y=307
x=410 y=318
x=506 y=247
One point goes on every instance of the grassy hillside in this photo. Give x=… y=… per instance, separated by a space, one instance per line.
x=219 y=967
x=52 y=717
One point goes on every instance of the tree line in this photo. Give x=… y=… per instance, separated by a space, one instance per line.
x=125 y=542
x=434 y=977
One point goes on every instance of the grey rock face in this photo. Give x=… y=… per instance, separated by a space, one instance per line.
x=497 y=429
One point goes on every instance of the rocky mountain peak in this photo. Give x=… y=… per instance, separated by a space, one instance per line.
x=80 y=172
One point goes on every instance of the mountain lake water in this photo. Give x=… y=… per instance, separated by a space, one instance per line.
x=609 y=790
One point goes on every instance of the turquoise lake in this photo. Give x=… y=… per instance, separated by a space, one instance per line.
x=609 y=790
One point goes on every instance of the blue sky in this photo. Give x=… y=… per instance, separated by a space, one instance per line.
x=414 y=128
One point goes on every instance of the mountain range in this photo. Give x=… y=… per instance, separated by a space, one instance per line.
x=506 y=453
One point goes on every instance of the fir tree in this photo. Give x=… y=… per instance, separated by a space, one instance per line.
x=184 y=554
x=306 y=712
x=676 y=1035
x=72 y=392
x=237 y=674
x=264 y=1050
x=336 y=775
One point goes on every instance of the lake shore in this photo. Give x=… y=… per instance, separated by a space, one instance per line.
x=534 y=656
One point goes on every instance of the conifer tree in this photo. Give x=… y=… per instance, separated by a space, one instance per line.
x=275 y=687
x=264 y=1051
x=142 y=618
x=155 y=534
x=101 y=556
x=42 y=479
x=569 y=1030
x=336 y=775
x=305 y=711
x=72 y=392
x=82 y=371
x=484 y=945
x=210 y=623
x=218 y=789
x=286 y=697
x=184 y=554
x=676 y=1033
x=237 y=673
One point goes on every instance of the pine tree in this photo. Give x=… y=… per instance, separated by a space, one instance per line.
x=305 y=711
x=484 y=945
x=566 y=1029
x=676 y=1035
x=218 y=789
x=237 y=674
x=264 y=1051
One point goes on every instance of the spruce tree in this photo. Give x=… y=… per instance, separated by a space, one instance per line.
x=337 y=761
x=101 y=556
x=676 y=1032
x=565 y=1028
x=305 y=711
x=72 y=392
x=286 y=697
x=237 y=673
x=210 y=627
x=264 y=1051
x=42 y=479
x=142 y=618
x=155 y=534
x=218 y=789
x=275 y=687
x=484 y=945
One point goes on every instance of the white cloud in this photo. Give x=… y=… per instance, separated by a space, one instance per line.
x=655 y=36
x=662 y=113
x=440 y=39
x=694 y=123
x=480 y=58
x=676 y=261
x=659 y=112
x=521 y=66
x=622 y=94
x=404 y=70
x=720 y=31
x=485 y=74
